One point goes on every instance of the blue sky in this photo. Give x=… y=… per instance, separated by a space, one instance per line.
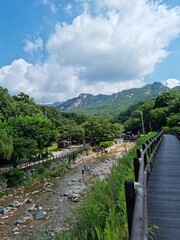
x=58 y=49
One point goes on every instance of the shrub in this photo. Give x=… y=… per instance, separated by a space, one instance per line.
x=106 y=144
x=15 y=177
x=40 y=170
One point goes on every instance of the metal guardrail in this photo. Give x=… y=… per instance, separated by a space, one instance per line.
x=136 y=191
x=59 y=158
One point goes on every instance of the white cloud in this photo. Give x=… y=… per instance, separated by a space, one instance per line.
x=98 y=53
x=13 y=78
x=171 y=82
x=51 y=5
x=31 y=47
x=69 y=8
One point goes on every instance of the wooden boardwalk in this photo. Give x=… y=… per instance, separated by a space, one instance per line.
x=164 y=191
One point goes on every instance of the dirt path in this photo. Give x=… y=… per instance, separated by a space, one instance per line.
x=54 y=199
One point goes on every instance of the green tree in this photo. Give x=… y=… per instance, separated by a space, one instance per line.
x=133 y=124
x=174 y=120
x=158 y=118
x=26 y=105
x=91 y=129
x=166 y=99
x=6 y=144
x=7 y=104
x=34 y=132
x=23 y=148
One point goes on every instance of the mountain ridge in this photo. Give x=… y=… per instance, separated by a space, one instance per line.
x=101 y=104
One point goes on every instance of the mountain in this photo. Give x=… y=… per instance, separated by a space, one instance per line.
x=84 y=99
x=109 y=105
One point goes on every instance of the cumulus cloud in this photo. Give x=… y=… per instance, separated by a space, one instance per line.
x=104 y=51
x=13 y=76
x=31 y=47
x=172 y=82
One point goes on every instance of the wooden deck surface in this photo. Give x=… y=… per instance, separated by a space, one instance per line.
x=164 y=191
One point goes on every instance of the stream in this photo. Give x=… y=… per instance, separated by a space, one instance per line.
x=44 y=207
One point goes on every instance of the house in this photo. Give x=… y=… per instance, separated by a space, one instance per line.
x=64 y=144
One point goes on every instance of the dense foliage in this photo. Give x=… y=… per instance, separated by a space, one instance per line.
x=28 y=129
x=156 y=113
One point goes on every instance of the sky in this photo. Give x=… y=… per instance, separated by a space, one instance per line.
x=57 y=49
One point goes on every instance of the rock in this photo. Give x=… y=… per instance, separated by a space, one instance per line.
x=70 y=184
x=66 y=194
x=15 y=204
x=18 y=222
x=40 y=208
x=48 y=190
x=37 y=191
x=48 y=184
x=75 y=199
x=40 y=215
x=32 y=208
x=28 y=200
x=2 y=223
x=16 y=233
x=5 y=217
x=73 y=195
x=27 y=218
x=73 y=180
x=2 y=210
x=15 y=229
x=9 y=209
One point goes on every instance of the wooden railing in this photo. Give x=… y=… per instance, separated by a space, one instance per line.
x=136 y=191
x=177 y=133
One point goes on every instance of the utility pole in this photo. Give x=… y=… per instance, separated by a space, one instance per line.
x=142 y=121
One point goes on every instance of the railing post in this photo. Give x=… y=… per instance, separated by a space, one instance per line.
x=145 y=155
x=138 y=152
x=136 y=168
x=130 y=201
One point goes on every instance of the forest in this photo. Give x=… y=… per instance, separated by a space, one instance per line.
x=27 y=129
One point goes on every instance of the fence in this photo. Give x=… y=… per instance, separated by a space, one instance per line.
x=136 y=192
x=177 y=133
x=58 y=159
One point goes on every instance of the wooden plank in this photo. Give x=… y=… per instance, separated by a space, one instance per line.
x=164 y=190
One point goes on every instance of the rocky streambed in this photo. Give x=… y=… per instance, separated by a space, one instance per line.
x=40 y=211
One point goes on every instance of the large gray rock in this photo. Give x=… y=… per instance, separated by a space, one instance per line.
x=2 y=210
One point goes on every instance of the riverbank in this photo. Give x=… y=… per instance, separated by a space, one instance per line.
x=54 y=199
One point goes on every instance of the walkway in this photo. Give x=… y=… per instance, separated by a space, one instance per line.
x=164 y=191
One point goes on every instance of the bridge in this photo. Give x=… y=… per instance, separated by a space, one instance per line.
x=153 y=199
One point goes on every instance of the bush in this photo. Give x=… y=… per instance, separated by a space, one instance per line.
x=15 y=177
x=72 y=157
x=40 y=170
x=106 y=144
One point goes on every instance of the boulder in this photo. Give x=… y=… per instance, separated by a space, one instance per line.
x=2 y=210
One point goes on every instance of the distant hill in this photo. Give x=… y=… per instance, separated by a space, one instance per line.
x=109 y=105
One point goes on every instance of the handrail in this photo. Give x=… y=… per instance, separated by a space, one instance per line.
x=138 y=222
x=177 y=133
x=29 y=166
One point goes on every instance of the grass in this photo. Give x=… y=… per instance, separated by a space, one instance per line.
x=53 y=148
x=102 y=215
